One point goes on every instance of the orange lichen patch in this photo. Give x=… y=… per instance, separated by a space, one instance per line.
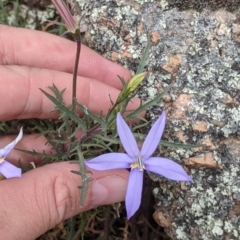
x=127 y=37
x=235 y=211
x=228 y=100
x=136 y=6
x=189 y=41
x=208 y=143
x=200 y=126
x=166 y=98
x=155 y=37
x=133 y=4
x=180 y=106
x=233 y=145
x=206 y=161
x=183 y=186
x=140 y=27
x=125 y=53
x=217 y=123
x=114 y=56
x=162 y=220
x=223 y=16
x=112 y=23
x=173 y=63
x=181 y=136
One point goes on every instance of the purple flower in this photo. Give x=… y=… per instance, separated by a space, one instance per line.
x=6 y=168
x=138 y=160
x=66 y=15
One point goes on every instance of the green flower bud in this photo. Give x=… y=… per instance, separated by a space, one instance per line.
x=131 y=86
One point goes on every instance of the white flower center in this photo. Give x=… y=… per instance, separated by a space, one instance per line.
x=138 y=164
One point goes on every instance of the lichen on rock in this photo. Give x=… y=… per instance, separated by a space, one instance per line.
x=201 y=49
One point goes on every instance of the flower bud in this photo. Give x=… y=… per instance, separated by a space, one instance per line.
x=131 y=86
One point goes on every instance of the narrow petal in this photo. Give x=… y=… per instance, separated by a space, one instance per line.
x=9 y=170
x=128 y=141
x=66 y=15
x=134 y=192
x=6 y=150
x=110 y=161
x=167 y=168
x=153 y=138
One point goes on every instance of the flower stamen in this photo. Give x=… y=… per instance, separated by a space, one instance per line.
x=138 y=164
x=2 y=160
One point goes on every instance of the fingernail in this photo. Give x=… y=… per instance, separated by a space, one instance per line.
x=108 y=190
x=99 y=193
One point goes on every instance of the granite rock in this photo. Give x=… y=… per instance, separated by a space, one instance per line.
x=199 y=53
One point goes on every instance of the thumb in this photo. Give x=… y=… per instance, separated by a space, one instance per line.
x=45 y=196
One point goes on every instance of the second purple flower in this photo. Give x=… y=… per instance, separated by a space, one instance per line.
x=6 y=168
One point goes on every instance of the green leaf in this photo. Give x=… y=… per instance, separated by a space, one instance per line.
x=122 y=80
x=169 y=144
x=71 y=223
x=108 y=139
x=147 y=105
x=64 y=111
x=142 y=65
x=139 y=126
x=95 y=118
x=178 y=145
x=84 y=178
x=42 y=155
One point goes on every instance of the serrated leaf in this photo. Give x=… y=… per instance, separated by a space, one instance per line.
x=65 y=111
x=94 y=117
x=58 y=93
x=85 y=181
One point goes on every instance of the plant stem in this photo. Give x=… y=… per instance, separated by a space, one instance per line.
x=96 y=129
x=77 y=37
x=75 y=71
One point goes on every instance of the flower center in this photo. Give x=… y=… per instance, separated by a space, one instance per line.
x=138 y=164
x=1 y=160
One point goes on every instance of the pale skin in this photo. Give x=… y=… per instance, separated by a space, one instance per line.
x=47 y=195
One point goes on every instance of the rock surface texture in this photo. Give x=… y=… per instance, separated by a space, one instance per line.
x=199 y=53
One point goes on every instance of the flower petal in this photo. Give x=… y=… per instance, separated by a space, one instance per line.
x=9 y=170
x=166 y=168
x=134 y=192
x=128 y=141
x=153 y=138
x=6 y=150
x=110 y=161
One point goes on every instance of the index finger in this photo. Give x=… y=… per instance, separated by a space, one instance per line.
x=43 y=50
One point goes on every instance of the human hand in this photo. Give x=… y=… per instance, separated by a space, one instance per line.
x=47 y=195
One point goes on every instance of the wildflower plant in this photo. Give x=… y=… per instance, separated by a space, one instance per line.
x=99 y=142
